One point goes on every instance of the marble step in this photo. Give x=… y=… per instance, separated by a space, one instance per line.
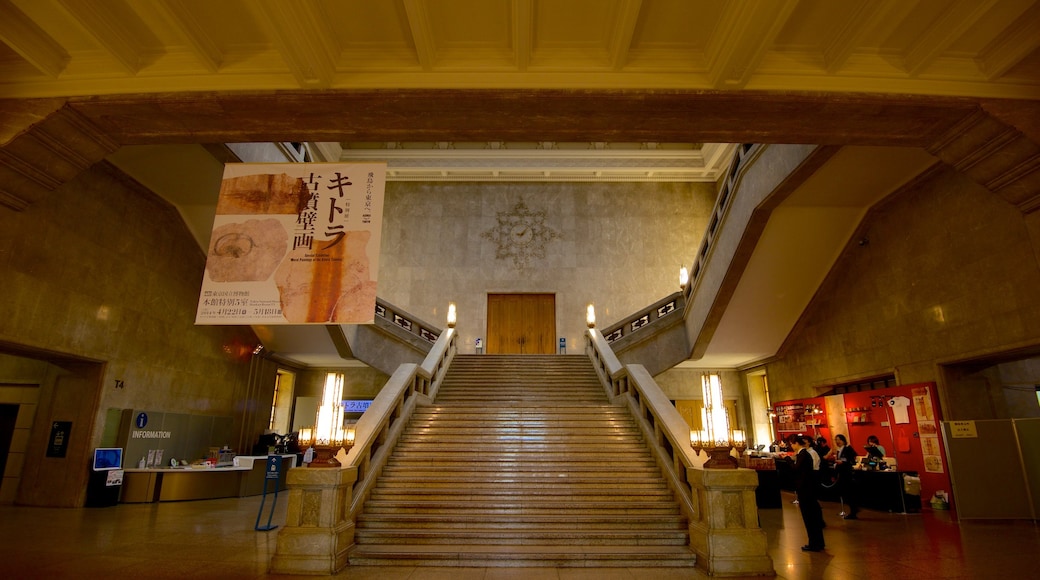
x=504 y=536
x=471 y=520
x=528 y=555
x=512 y=507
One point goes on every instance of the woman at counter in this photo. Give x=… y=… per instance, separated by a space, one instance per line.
x=874 y=448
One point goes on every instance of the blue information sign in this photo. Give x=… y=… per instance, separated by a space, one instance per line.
x=142 y=420
x=274 y=466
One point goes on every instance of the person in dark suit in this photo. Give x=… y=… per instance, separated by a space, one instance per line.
x=844 y=460
x=807 y=485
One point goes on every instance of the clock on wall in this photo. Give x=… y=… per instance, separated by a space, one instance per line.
x=521 y=235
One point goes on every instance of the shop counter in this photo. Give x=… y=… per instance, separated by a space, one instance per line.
x=887 y=491
x=245 y=477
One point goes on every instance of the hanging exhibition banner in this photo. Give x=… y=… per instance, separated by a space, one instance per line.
x=294 y=243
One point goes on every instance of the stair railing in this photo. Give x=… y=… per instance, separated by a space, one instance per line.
x=380 y=427
x=647 y=318
x=663 y=427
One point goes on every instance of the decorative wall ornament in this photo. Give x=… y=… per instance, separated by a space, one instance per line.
x=521 y=234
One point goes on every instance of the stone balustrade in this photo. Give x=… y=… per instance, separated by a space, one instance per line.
x=719 y=503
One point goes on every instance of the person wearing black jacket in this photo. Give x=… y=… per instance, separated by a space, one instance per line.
x=807 y=486
x=844 y=460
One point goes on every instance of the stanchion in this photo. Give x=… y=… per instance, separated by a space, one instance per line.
x=272 y=473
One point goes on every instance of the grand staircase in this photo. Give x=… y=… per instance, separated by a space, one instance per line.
x=521 y=461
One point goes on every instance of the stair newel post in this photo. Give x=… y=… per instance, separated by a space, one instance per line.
x=318 y=528
x=726 y=535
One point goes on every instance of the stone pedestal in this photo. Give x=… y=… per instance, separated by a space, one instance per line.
x=726 y=534
x=318 y=530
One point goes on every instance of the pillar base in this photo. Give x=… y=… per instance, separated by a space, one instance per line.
x=317 y=532
x=726 y=537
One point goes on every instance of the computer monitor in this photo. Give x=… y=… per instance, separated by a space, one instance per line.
x=874 y=452
x=108 y=458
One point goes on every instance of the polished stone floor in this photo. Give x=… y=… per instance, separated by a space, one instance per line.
x=216 y=539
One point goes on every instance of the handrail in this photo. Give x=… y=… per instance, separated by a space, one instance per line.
x=608 y=367
x=405 y=322
x=742 y=159
x=663 y=427
x=379 y=428
x=671 y=306
x=678 y=302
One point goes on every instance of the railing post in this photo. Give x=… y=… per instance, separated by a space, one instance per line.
x=318 y=529
x=727 y=537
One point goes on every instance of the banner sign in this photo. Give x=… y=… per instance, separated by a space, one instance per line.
x=294 y=243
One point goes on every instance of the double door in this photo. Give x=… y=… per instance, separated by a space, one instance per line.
x=521 y=323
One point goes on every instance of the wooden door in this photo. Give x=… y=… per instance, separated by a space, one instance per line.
x=521 y=324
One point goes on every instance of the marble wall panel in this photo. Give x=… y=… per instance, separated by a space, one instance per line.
x=105 y=270
x=617 y=245
x=950 y=270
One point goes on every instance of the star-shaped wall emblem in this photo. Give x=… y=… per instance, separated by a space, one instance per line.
x=521 y=234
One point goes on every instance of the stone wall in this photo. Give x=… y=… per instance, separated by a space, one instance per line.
x=102 y=270
x=950 y=271
x=616 y=245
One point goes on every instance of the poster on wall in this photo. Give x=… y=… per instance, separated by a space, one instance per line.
x=922 y=404
x=294 y=243
x=933 y=464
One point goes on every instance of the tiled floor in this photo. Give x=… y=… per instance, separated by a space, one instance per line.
x=216 y=539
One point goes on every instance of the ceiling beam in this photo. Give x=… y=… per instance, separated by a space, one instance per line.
x=548 y=115
x=1014 y=44
x=186 y=21
x=113 y=34
x=745 y=33
x=861 y=21
x=954 y=22
x=422 y=33
x=523 y=33
x=30 y=41
x=303 y=38
x=624 y=30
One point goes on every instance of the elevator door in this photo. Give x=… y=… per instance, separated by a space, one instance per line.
x=521 y=323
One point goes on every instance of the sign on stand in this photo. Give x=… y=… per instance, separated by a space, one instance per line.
x=273 y=472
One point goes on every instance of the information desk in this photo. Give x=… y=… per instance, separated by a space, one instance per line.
x=243 y=478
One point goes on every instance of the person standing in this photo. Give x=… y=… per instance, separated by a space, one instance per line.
x=807 y=490
x=844 y=461
x=821 y=446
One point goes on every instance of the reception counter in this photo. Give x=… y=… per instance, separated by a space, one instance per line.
x=243 y=478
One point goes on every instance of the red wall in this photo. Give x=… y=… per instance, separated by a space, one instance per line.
x=901 y=441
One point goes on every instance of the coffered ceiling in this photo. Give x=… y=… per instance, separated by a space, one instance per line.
x=519 y=89
x=981 y=48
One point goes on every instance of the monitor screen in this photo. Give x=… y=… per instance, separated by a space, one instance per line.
x=106 y=458
x=874 y=452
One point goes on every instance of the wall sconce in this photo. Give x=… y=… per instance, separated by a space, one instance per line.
x=451 y=315
x=716 y=439
x=684 y=277
x=590 y=316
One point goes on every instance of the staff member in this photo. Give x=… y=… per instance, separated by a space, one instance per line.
x=807 y=486
x=844 y=460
